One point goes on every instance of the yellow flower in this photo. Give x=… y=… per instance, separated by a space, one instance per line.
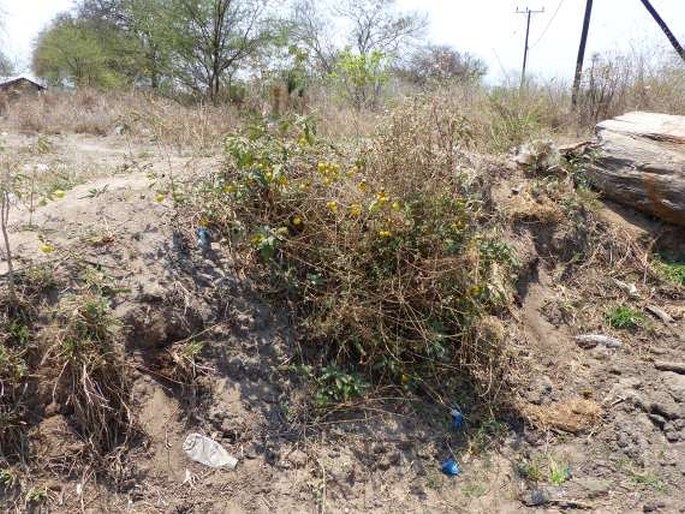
x=332 y=206
x=396 y=206
x=229 y=188
x=385 y=233
x=382 y=197
x=204 y=222
x=269 y=176
x=322 y=166
x=352 y=171
x=282 y=231
x=363 y=186
x=160 y=197
x=304 y=186
x=302 y=141
x=46 y=248
x=297 y=221
x=355 y=209
x=474 y=290
x=58 y=193
x=405 y=379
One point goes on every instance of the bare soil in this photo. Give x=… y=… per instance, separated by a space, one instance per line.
x=604 y=431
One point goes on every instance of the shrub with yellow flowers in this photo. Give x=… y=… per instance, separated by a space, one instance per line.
x=381 y=248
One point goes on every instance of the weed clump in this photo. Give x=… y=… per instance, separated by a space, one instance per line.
x=623 y=317
x=91 y=381
x=384 y=249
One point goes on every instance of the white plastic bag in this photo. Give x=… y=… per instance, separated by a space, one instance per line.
x=206 y=451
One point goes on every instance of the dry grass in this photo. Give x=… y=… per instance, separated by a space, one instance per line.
x=137 y=115
x=500 y=117
x=73 y=362
x=384 y=249
x=92 y=379
x=574 y=415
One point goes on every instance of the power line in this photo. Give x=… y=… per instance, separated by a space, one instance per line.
x=549 y=24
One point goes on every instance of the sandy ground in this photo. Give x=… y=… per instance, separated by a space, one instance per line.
x=611 y=430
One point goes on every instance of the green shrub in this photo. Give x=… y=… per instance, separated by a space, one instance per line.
x=382 y=248
x=671 y=269
x=624 y=317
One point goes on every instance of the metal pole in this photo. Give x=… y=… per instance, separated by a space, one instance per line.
x=662 y=24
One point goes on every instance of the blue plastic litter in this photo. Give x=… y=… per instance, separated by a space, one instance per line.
x=451 y=468
x=203 y=239
x=457 y=419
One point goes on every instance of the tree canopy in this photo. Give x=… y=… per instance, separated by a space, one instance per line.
x=202 y=46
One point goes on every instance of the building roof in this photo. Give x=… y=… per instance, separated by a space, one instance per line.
x=10 y=80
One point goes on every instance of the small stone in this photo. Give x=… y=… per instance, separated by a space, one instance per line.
x=595 y=488
x=659 y=421
x=666 y=409
x=297 y=458
x=250 y=453
x=615 y=370
x=676 y=385
x=536 y=498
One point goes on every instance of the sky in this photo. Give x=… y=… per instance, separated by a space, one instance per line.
x=489 y=29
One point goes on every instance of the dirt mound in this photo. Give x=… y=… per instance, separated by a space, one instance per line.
x=603 y=429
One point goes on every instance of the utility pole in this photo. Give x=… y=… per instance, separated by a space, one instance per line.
x=581 y=53
x=528 y=14
x=664 y=27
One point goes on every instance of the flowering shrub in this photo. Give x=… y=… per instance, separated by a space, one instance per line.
x=381 y=247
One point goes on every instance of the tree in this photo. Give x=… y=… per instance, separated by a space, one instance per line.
x=361 y=77
x=145 y=25
x=213 y=38
x=311 y=28
x=441 y=63
x=375 y=26
x=368 y=25
x=72 y=52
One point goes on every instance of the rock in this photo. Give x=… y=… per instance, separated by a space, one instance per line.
x=536 y=497
x=629 y=289
x=298 y=459
x=250 y=453
x=539 y=155
x=652 y=506
x=677 y=367
x=659 y=421
x=675 y=430
x=594 y=488
x=589 y=341
x=666 y=409
x=640 y=162
x=675 y=384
